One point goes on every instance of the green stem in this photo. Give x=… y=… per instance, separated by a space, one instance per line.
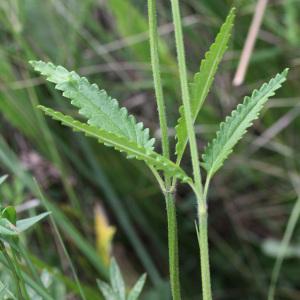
x=173 y=246
x=204 y=250
x=201 y=195
x=153 y=35
x=202 y=232
x=170 y=201
x=185 y=94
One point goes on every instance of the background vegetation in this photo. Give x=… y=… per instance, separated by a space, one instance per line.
x=88 y=187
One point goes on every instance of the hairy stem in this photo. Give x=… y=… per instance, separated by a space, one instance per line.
x=204 y=251
x=201 y=196
x=170 y=201
x=185 y=93
x=173 y=246
x=157 y=77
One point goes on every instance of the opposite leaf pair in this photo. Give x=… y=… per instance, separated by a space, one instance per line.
x=107 y=122
x=112 y=126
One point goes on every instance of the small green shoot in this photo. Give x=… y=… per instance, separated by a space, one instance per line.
x=117 y=290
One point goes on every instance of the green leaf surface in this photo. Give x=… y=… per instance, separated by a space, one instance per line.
x=203 y=80
x=236 y=125
x=116 y=280
x=121 y=144
x=101 y=110
x=7 y=228
x=10 y=214
x=3 y=178
x=106 y=290
x=137 y=289
x=24 y=224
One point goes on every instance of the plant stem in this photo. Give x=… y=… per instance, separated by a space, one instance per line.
x=153 y=35
x=173 y=246
x=201 y=196
x=204 y=251
x=185 y=93
x=169 y=197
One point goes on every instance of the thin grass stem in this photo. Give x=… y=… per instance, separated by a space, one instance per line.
x=61 y=242
x=290 y=228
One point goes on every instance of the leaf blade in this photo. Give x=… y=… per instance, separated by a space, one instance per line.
x=24 y=224
x=137 y=289
x=116 y=280
x=203 y=80
x=121 y=144
x=106 y=290
x=101 y=110
x=236 y=125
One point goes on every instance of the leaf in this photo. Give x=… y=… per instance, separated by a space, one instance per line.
x=106 y=290
x=137 y=289
x=10 y=214
x=116 y=280
x=203 y=80
x=236 y=125
x=3 y=178
x=101 y=110
x=121 y=144
x=7 y=228
x=24 y=224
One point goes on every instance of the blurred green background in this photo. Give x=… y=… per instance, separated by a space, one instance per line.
x=250 y=201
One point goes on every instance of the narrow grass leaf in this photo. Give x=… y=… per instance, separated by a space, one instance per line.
x=203 y=80
x=236 y=125
x=24 y=224
x=121 y=144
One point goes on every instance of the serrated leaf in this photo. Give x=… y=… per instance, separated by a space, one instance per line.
x=203 y=80
x=121 y=144
x=106 y=290
x=137 y=289
x=116 y=280
x=236 y=125
x=101 y=110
